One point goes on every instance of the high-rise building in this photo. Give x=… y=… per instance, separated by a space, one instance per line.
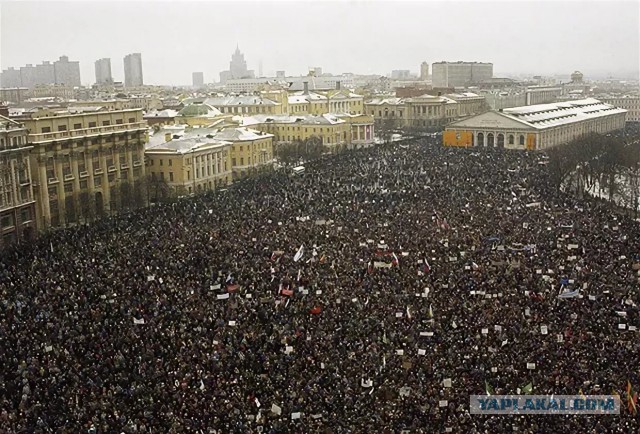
x=400 y=74
x=10 y=78
x=452 y=74
x=197 y=79
x=424 y=71
x=103 y=71
x=133 y=70
x=45 y=73
x=237 y=68
x=66 y=72
x=28 y=76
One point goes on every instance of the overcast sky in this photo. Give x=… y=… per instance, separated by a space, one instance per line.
x=367 y=37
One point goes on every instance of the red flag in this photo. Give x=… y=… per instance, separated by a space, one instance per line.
x=233 y=288
x=315 y=310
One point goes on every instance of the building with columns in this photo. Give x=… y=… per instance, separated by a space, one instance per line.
x=187 y=162
x=535 y=127
x=17 y=201
x=85 y=164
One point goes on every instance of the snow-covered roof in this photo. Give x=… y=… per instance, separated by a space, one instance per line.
x=166 y=113
x=240 y=134
x=543 y=116
x=239 y=100
x=325 y=119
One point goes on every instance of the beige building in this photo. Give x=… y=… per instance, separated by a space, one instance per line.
x=468 y=104
x=332 y=101
x=535 y=127
x=17 y=202
x=425 y=111
x=630 y=103
x=85 y=164
x=332 y=131
x=187 y=162
x=251 y=149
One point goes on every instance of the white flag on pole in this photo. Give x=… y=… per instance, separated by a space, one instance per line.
x=299 y=254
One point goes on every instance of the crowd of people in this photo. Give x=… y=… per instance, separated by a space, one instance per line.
x=374 y=293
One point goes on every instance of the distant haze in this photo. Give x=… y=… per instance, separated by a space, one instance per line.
x=364 y=37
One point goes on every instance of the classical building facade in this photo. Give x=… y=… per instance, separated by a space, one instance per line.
x=424 y=111
x=187 y=163
x=85 y=164
x=17 y=201
x=250 y=150
x=630 y=103
x=535 y=127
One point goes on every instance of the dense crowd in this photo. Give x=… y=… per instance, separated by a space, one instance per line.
x=372 y=294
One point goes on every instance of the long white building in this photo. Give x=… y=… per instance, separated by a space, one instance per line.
x=536 y=126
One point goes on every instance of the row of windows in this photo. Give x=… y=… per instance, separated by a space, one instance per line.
x=8 y=220
x=78 y=126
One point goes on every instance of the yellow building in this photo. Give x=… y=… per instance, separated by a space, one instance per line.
x=362 y=129
x=426 y=111
x=246 y=105
x=251 y=149
x=537 y=126
x=187 y=162
x=17 y=202
x=85 y=164
x=332 y=131
x=319 y=103
x=109 y=104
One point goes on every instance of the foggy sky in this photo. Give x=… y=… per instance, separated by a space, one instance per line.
x=177 y=38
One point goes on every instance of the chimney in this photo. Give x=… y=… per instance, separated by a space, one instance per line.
x=167 y=137
x=306 y=87
x=338 y=85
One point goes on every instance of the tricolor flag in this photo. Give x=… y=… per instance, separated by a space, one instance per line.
x=299 y=254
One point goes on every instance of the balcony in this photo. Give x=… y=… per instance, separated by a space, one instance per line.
x=124 y=166
x=69 y=177
x=98 y=172
x=137 y=163
x=83 y=132
x=111 y=169
x=84 y=174
x=53 y=180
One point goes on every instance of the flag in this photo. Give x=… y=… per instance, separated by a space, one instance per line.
x=370 y=267
x=527 y=389
x=581 y=393
x=430 y=312
x=51 y=244
x=488 y=388
x=232 y=287
x=427 y=267
x=286 y=291
x=315 y=310
x=395 y=260
x=569 y=294
x=408 y=312
x=299 y=254
x=299 y=274
x=632 y=399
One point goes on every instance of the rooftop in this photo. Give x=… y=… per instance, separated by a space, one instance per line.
x=550 y=115
x=240 y=134
x=325 y=119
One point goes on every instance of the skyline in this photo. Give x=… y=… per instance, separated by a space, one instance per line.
x=176 y=39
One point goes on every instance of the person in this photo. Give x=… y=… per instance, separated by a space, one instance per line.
x=126 y=325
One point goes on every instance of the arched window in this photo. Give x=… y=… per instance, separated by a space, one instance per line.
x=521 y=139
x=511 y=139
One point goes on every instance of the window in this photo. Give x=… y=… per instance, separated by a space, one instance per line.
x=511 y=139
x=77 y=126
x=62 y=128
x=6 y=221
x=171 y=176
x=83 y=185
x=106 y=123
x=92 y=125
x=112 y=177
x=521 y=140
x=97 y=181
x=161 y=162
x=46 y=130
x=68 y=187
x=25 y=215
x=53 y=192
x=132 y=120
x=170 y=162
x=162 y=176
x=118 y=121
